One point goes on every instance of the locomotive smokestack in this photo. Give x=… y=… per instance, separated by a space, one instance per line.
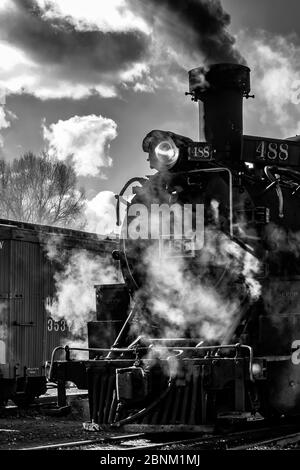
x=221 y=89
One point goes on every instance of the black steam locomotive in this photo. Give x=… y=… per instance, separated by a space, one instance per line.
x=225 y=345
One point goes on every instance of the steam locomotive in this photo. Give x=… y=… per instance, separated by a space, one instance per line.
x=225 y=345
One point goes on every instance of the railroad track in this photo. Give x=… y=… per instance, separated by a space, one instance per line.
x=249 y=439
x=85 y=443
x=281 y=441
x=228 y=442
x=123 y=442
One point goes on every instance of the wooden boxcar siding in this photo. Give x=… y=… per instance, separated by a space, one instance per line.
x=28 y=274
x=4 y=302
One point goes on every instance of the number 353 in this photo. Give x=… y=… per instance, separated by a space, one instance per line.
x=53 y=325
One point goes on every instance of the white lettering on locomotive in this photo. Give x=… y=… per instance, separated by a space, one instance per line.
x=272 y=151
x=296 y=353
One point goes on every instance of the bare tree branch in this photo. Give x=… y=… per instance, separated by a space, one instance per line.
x=41 y=190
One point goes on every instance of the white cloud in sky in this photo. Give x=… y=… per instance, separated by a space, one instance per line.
x=46 y=58
x=49 y=87
x=86 y=139
x=100 y=213
x=109 y=15
x=4 y=123
x=113 y=45
x=162 y=61
x=12 y=57
x=275 y=75
x=136 y=72
x=17 y=71
x=19 y=74
x=5 y=4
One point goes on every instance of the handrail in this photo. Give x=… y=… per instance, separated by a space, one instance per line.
x=164 y=340
x=138 y=179
x=179 y=349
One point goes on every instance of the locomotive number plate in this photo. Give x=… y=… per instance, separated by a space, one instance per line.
x=271 y=151
x=200 y=152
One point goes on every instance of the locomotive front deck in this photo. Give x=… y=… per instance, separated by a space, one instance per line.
x=163 y=386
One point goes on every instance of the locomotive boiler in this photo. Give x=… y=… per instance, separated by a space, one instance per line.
x=207 y=322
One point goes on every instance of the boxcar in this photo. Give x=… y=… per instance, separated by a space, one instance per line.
x=27 y=333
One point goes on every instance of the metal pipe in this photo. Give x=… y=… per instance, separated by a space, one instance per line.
x=250 y=349
x=98 y=349
x=201 y=121
x=198 y=347
x=137 y=179
x=275 y=181
x=136 y=341
x=136 y=304
x=175 y=348
x=58 y=348
x=146 y=410
x=164 y=340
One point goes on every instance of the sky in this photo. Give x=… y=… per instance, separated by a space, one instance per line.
x=86 y=80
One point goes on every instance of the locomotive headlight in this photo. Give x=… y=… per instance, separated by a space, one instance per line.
x=166 y=154
x=167 y=151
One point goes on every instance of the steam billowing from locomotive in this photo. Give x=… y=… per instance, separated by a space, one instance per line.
x=196 y=26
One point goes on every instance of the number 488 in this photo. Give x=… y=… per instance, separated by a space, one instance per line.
x=272 y=151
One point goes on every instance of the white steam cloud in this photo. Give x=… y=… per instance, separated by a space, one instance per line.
x=85 y=140
x=75 y=294
x=181 y=302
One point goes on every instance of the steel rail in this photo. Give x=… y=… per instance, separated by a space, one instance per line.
x=101 y=440
x=280 y=441
x=223 y=440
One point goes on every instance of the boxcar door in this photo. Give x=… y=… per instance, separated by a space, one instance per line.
x=27 y=311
